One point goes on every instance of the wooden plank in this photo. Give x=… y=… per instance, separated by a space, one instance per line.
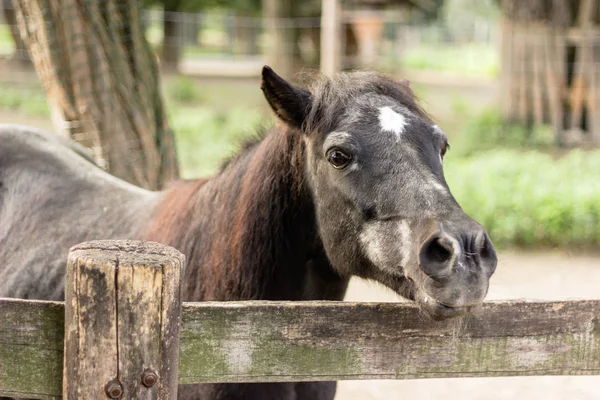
x=594 y=97
x=122 y=303
x=522 y=72
x=268 y=341
x=507 y=69
x=331 y=32
x=561 y=80
x=537 y=55
x=295 y=341
x=553 y=84
x=583 y=59
x=31 y=348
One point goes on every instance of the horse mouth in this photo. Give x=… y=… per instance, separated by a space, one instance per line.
x=440 y=311
x=435 y=309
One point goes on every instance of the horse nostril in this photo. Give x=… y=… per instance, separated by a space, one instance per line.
x=486 y=252
x=435 y=257
x=484 y=248
x=437 y=252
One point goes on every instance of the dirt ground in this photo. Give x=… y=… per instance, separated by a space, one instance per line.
x=539 y=276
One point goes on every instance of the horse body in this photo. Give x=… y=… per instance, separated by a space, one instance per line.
x=350 y=184
x=52 y=197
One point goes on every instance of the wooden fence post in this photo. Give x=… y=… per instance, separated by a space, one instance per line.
x=331 y=37
x=122 y=318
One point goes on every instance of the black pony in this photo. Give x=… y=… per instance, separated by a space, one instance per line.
x=350 y=184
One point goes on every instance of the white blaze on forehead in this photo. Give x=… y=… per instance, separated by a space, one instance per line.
x=391 y=121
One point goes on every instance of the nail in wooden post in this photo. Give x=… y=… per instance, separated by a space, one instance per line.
x=122 y=317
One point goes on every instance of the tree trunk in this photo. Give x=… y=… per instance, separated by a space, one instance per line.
x=279 y=36
x=172 y=31
x=102 y=84
x=191 y=29
x=331 y=32
x=20 y=55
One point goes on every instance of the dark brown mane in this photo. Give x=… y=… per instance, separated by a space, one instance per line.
x=230 y=226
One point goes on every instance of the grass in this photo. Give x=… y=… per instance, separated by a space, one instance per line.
x=182 y=90
x=531 y=199
x=488 y=130
x=205 y=137
x=29 y=101
x=469 y=60
x=7 y=46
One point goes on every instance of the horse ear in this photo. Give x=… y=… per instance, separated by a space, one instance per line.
x=289 y=102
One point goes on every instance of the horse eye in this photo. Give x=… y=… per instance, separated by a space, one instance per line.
x=338 y=158
x=443 y=151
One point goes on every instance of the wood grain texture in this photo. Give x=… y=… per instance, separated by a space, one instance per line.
x=295 y=341
x=31 y=348
x=262 y=341
x=122 y=302
x=103 y=85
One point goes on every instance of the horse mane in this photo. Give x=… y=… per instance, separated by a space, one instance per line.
x=232 y=227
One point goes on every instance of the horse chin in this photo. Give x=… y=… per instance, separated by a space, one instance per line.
x=433 y=308
x=437 y=310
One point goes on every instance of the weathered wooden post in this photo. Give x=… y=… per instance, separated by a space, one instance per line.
x=331 y=37
x=122 y=317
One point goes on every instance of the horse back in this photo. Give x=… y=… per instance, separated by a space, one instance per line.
x=53 y=196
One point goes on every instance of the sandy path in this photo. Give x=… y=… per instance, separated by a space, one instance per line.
x=549 y=276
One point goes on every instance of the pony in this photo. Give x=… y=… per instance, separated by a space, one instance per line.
x=349 y=183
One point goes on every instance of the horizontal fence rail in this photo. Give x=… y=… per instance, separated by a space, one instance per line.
x=260 y=341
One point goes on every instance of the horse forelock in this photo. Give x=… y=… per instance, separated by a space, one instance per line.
x=332 y=96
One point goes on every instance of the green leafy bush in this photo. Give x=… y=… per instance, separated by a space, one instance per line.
x=529 y=198
x=470 y=60
x=489 y=131
x=183 y=90
x=29 y=101
x=205 y=137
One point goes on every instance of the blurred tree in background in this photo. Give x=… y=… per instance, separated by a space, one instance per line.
x=173 y=24
x=20 y=55
x=550 y=71
x=102 y=84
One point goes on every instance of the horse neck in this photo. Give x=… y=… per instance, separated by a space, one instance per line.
x=249 y=232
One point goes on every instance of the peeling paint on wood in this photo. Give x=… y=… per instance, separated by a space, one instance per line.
x=295 y=341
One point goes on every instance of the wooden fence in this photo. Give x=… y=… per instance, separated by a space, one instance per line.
x=122 y=326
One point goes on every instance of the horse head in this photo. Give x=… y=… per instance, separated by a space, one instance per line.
x=374 y=168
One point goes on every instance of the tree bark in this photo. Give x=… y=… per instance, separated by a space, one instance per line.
x=279 y=36
x=20 y=55
x=102 y=83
